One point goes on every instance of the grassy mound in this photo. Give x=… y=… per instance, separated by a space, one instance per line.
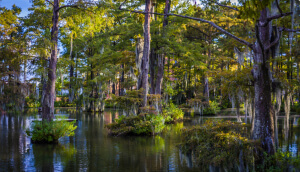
x=50 y=132
x=218 y=143
x=149 y=124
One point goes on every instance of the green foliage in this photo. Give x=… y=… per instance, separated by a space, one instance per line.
x=63 y=104
x=172 y=113
x=218 y=143
x=128 y=102
x=149 y=124
x=50 y=132
x=296 y=107
x=157 y=123
x=225 y=103
x=32 y=102
x=212 y=109
x=280 y=161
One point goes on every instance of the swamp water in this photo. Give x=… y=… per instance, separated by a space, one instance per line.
x=91 y=149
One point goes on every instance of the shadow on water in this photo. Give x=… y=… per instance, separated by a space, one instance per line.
x=91 y=149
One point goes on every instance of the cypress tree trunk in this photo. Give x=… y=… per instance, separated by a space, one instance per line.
x=161 y=58
x=139 y=49
x=92 y=95
x=71 y=90
x=152 y=71
x=160 y=73
x=143 y=82
x=206 y=82
x=48 y=103
x=263 y=121
x=121 y=81
x=113 y=91
x=287 y=105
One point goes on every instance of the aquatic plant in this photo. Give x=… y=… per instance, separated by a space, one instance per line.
x=63 y=104
x=50 y=132
x=32 y=102
x=280 y=161
x=204 y=107
x=226 y=145
x=149 y=124
x=218 y=143
x=172 y=113
x=213 y=108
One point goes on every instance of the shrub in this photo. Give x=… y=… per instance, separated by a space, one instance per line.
x=31 y=102
x=218 y=143
x=50 y=132
x=280 y=161
x=149 y=124
x=157 y=123
x=63 y=104
x=213 y=108
x=172 y=113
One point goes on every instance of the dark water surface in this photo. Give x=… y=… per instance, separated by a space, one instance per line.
x=92 y=150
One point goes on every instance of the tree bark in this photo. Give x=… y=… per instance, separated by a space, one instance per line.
x=160 y=73
x=48 y=103
x=71 y=90
x=143 y=82
x=113 y=91
x=263 y=121
x=161 y=58
x=121 y=81
x=153 y=56
x=287 y=105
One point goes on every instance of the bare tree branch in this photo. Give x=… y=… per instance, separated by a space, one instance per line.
x=78 y=6
x=217 y=27
x=198 y=30
x=50 y=2
x=65 y=6
x=277 y=16
x=259 y=41
x=212 y=34
x=277 y=4
x=224 y=5
x=194 y=37
x=135 y=11
x=288 y=30
x=197 y=19
x=275 y=41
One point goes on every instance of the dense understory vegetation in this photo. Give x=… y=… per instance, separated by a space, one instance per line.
x=202 y=57
x=228 y=145
x=50 y=132
x=219 y=143
x=148 y=122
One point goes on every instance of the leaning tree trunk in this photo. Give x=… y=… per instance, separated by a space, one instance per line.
x=48 y=103
x=264 y=123
x=143 y=82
